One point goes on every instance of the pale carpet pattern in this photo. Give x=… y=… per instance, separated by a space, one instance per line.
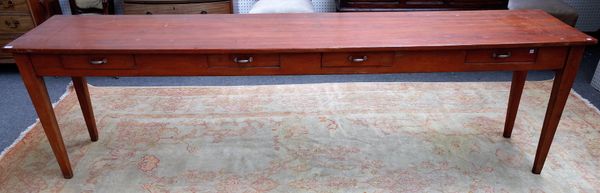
x=334 y=137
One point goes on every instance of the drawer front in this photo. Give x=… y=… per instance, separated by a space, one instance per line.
x=186 y=8
x=501 y=55
x=244 y=61
x=15 y=24
x=98 y=61
x=358 y=59
x=171 y=61
x=283 y=64
x=464 y=60
x=175 y=65
x=14 y=6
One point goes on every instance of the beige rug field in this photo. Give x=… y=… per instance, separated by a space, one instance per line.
x=334 y=137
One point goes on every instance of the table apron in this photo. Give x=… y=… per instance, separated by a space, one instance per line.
x=498 y=59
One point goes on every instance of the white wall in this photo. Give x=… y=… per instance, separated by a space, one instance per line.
x=243 y=6
x=589 y=14
x=596 y=79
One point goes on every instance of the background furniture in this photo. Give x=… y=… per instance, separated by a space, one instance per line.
x=244 y=6
x=418 y=5
x=282 y=6
x=149 y=7
x=596 y=79
x=104 y=7
x=589 y=16
x=556 y=8
x=19 y=16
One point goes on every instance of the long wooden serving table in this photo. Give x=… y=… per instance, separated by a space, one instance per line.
x=295 y=44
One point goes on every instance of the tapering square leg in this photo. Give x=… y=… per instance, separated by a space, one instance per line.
x=563 y=81
x=43 y=106
x=516 y=89
x=83 y=95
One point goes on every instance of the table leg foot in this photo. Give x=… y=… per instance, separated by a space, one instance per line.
x=68 y=175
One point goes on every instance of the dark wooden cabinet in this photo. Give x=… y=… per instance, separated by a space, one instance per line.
x=418 y=5
x=153 y=7
x=20 y=16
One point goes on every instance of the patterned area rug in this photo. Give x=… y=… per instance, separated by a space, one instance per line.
x=335 y=137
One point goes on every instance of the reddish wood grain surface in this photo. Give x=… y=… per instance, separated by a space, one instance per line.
x=563 y=82
x=83 y=95
x=43 y=106
x=316 y=32
x=516 y=90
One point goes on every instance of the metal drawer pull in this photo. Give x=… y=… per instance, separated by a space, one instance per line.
x=357 y=60
x=8 y=5
x=243 y=61
x=12 y=24
x=99 y=62
x=503 y=55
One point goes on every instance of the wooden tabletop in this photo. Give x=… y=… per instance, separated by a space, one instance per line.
x=314 y=32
